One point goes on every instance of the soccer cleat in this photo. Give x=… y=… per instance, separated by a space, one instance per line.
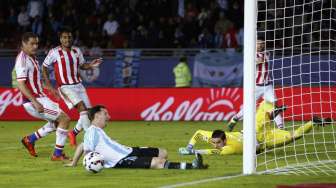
x=185 y=151
x=30 y=146
x=232 y=124
x=322 y=121
x=277 y=110
x=72 y=139
x=281 y=127
x=197 y=163
x=62 y=157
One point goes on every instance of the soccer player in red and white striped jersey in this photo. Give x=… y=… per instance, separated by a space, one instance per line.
x=67 y=60
x=264 y=87
x=35 y=101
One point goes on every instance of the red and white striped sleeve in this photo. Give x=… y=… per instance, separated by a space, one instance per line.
x=50 y=59
x=80 y=56
x=21 y=67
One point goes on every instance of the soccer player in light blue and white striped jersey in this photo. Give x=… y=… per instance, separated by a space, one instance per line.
x=117 y=155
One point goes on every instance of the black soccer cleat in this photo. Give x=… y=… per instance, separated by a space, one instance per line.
x=277 y=110
x=197 y=163
x=322 y=121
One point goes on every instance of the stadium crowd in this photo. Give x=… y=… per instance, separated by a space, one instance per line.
x=126 y=24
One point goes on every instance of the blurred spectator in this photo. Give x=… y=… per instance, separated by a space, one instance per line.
x=180 y=8
x=223 y=23
x=202 y=17
x=35 y=8
x=240 y=37
x=141 y=37
x=230 y=37
x=54 y=24
x=191 y=12
x=37 y=26
x=223 y=4
x=12 y=18
x=205 y=39
x=218 y=38
x=110 y=26
x=124 y=24
x=23 y=19
x=179 y=37
x=118 y=40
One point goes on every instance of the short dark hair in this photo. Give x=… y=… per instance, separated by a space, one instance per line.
x=64 y=30
x=92 y=111
x=183 y=59
x=26 y=36
x=218 y=134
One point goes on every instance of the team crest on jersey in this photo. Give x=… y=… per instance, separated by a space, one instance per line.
x=89 y=75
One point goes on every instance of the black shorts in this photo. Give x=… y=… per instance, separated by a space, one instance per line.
x=139 y=158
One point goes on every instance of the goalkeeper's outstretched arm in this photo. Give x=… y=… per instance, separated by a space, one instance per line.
x=200 y=135
x=226 y=150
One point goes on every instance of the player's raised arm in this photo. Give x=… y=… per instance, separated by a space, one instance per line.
x=208 y=151
x=93 y=64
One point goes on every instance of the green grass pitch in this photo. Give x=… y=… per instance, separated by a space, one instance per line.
x=18 y=169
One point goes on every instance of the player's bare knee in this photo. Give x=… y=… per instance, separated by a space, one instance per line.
x=64 y=120
x=158 y=162
x=163 y=153
x=81 y=106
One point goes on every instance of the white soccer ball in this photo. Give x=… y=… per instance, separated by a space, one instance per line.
x=93 y=162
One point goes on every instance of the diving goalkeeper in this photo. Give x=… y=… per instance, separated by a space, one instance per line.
x=226 y=143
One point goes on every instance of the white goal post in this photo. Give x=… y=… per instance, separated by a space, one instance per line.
x=250 y=15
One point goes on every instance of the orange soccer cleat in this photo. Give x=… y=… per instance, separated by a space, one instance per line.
x=30 y=146
x=62 y=157
x=72 y=139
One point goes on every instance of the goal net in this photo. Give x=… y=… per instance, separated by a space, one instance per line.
x=300 y=48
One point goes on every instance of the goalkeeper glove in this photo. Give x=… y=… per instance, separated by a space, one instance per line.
x=186 y=151
x=232 y=124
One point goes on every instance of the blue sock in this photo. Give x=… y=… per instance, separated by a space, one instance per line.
x=58 y=152
x=32 y=138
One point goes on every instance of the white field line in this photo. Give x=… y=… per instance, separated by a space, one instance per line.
x=202 y=181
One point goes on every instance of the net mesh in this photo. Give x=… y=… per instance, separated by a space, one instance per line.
x=300 y=51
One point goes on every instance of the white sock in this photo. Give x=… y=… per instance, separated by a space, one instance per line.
x=279 y=121
x=45 y=130
x=83 y=121
x=61 y=136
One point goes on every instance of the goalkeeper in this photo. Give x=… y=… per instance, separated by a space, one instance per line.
x=223 y=143
x=270 y=137
x=226 y=143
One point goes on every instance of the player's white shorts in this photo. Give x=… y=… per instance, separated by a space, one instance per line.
x=73 y=94
x=51 y=109
x=267 y=92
